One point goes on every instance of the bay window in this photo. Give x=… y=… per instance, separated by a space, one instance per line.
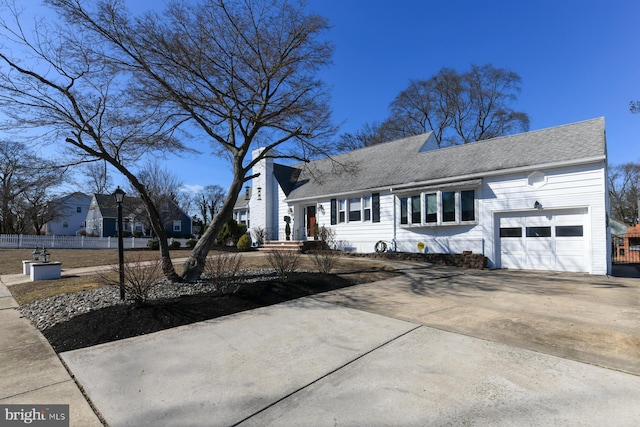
x=439 y=207
x=467 y=205
x=448 y=206
x=431 y=204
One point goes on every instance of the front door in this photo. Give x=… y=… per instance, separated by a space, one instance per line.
x=311 y=220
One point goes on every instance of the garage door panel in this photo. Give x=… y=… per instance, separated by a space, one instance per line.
x=540 y=248
x=513 y=261
x=573 y=264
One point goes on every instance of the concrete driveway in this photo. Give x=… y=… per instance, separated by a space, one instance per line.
x=591 y=319
x=436 y=346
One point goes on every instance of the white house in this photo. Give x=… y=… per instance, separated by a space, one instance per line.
x=536 y=200
x=70 y=213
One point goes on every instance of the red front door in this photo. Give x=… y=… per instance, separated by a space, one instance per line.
x=311 y=220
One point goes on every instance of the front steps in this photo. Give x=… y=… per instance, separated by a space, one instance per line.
x=300 y=246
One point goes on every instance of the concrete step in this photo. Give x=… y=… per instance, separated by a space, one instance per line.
x=282 y=245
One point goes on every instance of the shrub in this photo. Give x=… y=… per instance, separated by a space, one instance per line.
x=283 y=262
x=137 y=234
x=222 y=270
x=191 y=243
x=231 y=232
x=259 y=234
x=175 y=244
x=325 y=260
x=328 y=236
x=140 y=277
x=153 y=244
x=244 y=243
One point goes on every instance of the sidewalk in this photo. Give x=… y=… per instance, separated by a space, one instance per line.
x=30 y=371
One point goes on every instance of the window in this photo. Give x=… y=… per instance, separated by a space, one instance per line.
x=467 y=205
x=410 y=210
x=79 y=209
x=440 y=208
x=404 y=210
x=355 y=209
x=448 y=206
x=177 y=225
x=431 y=205
x=569 y=231
x=511 y=232
x=538 y=231
x=416 y=212
x=367 y=208
x=342 y=209
x=65 y=224
x=375 y=206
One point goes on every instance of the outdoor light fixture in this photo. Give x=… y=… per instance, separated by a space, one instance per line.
x=246 y=193
x=537 y=205
x=119 y=196
x=259 y=193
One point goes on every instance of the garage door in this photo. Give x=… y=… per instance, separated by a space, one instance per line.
x=549 y=240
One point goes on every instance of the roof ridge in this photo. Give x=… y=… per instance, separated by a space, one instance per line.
x=521 y=135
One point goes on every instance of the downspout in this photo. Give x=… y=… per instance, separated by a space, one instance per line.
x=395 y=209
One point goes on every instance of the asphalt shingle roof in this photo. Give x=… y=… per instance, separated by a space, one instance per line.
x=402 y=162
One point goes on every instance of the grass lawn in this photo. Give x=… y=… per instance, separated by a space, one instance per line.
x=11 y=259
x=356 y=270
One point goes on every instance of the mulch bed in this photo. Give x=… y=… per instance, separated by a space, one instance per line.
x=128 y=320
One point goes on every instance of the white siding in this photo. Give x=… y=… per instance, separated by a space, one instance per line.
x=563 y=188
x=512 y=195
x=359 y=236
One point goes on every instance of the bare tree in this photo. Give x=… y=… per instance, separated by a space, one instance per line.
x=241 y=72
x=459 y=108
x=624 y=192
x=163 y=187
x=67 y=83
x=97 y=178
x=39 y=199
x=209 y=202
x=26 y=182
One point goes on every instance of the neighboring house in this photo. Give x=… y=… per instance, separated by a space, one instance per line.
x=70 y=213
x=102 y=217
x=536 y=200
x=241 y=208
x=629 y=249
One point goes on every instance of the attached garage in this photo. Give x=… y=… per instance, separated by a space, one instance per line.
x=553 y=240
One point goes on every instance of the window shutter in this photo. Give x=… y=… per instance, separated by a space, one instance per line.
x=375 y=207
x=334 y=211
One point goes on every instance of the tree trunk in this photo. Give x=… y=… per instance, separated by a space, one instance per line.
x=156 y=224
x=194 y=266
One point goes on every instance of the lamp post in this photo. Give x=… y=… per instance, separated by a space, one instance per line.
x=119 y=196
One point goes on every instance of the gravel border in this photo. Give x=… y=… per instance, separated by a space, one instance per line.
x=48 y=312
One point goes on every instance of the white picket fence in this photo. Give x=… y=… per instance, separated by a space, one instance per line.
x=72 y=242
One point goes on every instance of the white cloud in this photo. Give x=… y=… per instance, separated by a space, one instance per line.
x=192 y=188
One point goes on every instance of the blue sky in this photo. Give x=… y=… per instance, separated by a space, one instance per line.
x=577 y=59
